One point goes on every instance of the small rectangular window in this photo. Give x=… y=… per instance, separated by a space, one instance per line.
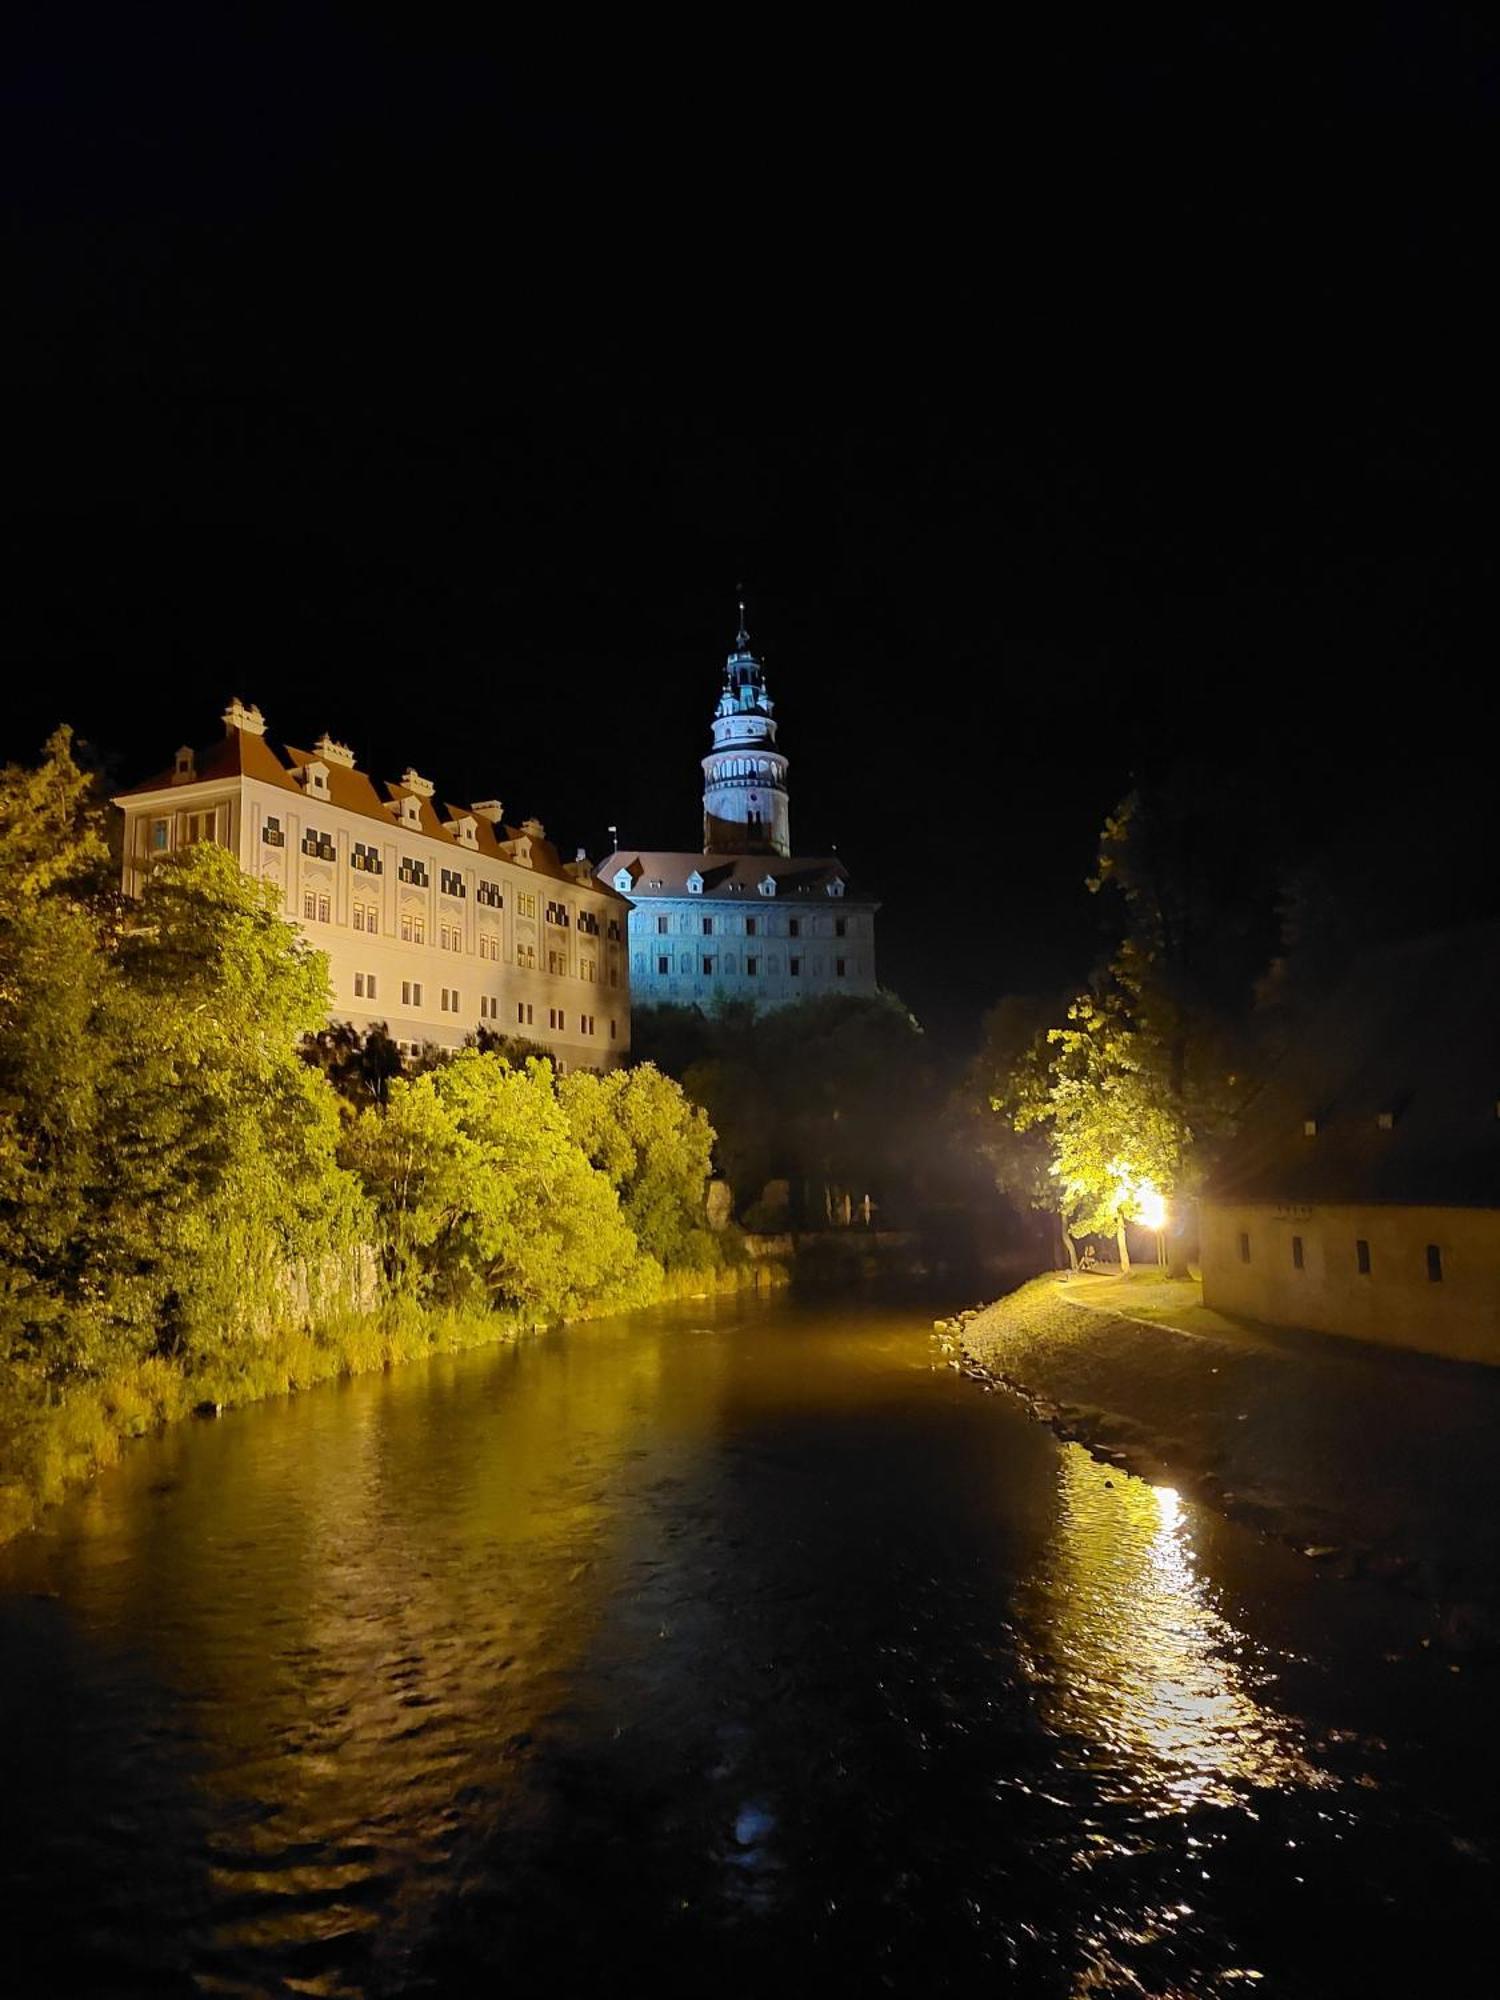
x=663 y=967
x=752 y=966
x=406 y=993
x=708 y=968
x=662 y=924
x=794 y=927
x=750 y=927
x=161 y=836
x=838 y=967
x=794 y=967
x=612 y=1031
x=1297 y=1263
x=1244 y=1246
x=1434 y=1264
x=1362 y=1256
x=840 y=926
x=708 y=926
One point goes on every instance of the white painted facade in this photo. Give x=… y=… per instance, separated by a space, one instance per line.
x=436 y=921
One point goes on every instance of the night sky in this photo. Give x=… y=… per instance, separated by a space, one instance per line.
x=1067 y=408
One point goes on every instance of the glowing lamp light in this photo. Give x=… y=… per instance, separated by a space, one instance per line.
x=1150 y=1206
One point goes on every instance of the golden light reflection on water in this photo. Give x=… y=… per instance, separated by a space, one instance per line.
x=1144 y=1673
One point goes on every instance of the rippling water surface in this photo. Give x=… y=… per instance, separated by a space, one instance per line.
x=709 y=1651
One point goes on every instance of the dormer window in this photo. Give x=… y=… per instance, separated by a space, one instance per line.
x=836 y=886
x=622 y=881
x=182 y=767
x=695 y=884
x=521 y=851
x=317 y=779
x=411 y=811
x=465 y=832
x=767 y=885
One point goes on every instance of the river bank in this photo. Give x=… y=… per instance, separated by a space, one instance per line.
x=1370 y=1462
x=49 y=1446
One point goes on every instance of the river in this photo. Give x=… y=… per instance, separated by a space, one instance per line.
x=732 y=1648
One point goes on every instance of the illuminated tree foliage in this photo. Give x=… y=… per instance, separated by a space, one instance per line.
x=483 y=1198
x=656 y=1147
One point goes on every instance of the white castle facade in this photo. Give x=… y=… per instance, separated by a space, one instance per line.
x=437 y=920
x=744 y=918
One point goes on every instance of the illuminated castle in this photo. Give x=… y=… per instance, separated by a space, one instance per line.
x=745 y=918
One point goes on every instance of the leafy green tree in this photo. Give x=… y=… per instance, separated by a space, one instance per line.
x=361 y=1066
x=1115 y=1134
x=483 y=1198
x=655 y=1146
x=220 y=1134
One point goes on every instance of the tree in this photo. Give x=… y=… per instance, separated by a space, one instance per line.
x=655 y=1146
x=1116 y=1139
x=483 y=1199
x=1004 y=1100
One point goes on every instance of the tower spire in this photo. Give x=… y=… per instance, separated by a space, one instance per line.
x=742 y=637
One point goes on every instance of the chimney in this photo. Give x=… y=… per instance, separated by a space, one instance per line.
x=237 y=716
x=535 y=828
x=334 y=753
x=489 y=809
x=414 y=782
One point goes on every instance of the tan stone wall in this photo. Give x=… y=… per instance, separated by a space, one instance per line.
x=1397 y=1303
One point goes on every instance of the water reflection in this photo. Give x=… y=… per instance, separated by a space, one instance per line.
x=1154 y=1689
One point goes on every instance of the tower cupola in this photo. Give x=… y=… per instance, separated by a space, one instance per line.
x=745 y=807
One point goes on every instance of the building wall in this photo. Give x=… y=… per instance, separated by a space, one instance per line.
x=730 y=946
x=515 y=991
x=1456 y=1313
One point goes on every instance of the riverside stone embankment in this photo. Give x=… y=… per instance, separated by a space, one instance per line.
x=1371 y=1462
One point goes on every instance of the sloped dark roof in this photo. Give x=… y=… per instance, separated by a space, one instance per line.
x=243 y=753
x=727 y=876
x=1413 y=1034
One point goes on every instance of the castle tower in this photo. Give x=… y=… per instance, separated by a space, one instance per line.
x=745 y=808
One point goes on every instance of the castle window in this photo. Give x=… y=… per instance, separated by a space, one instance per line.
x=526 y=905
x=767 y=885
x=1244 y=1246
x=612 y=1027
x=489 y=897
x=695 y=884
x=366 y=917
x=413 y=927
x=840 y=926
x=708 y=968
x=1434 y=1264
x=708 y=926
x=794 y=927
x=663 y=967
x=414 y=871
x=318 y=845
x=364 y=986
x=314 y=906
x=749 y=927
x=612 y=930
x=366 y=859
x=836 y=886
x=794 y=967
x=270 y=833
x=451 y=882
x=838 y=968
x=663 y=925
x=523 y=1013
x=752 y=966
x=1362 y=1256
x=1297 y=1262
x=411 y=993
x=161 y=835
x=623 y=882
